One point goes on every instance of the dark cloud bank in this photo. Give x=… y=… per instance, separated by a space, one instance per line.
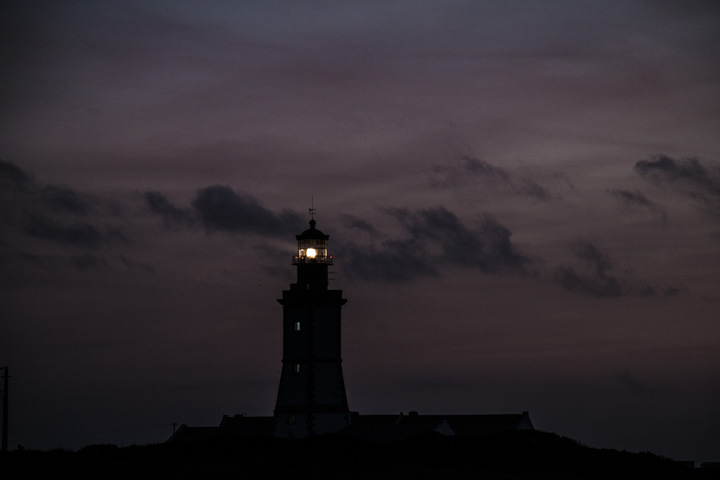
x=55 y=214
x=429 y=236
x=427 y=239
x=219 y=208
x=432 y=237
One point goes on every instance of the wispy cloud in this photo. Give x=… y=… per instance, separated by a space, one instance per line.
x=64 y=199
x=355 y=223
x=133 y=265
x=596 y=276
x=700 y=182
x=687 y=170
x=595 y=279
x=89 y=261
x=475 y=169
x=395 y=261
x=77 y=233
x=632 y=383
x=172 y=216
x=13 y=177
x=638 y=200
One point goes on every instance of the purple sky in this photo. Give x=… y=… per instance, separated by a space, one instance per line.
x=522 y=198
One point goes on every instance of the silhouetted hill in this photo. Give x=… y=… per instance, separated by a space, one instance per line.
x=513 y=455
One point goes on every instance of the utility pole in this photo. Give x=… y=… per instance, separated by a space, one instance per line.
x=5 y=411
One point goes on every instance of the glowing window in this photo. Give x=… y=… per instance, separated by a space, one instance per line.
x=297 y=326
x=297 y=368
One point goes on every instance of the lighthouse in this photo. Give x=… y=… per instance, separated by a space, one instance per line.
x=311 y=397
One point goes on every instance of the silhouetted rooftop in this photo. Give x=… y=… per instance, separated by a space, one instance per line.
x=376 y=428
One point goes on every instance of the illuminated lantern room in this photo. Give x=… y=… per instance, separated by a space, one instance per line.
x=312 y=259
x=312 y=247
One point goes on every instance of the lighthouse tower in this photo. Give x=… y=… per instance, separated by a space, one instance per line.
x=311 y=398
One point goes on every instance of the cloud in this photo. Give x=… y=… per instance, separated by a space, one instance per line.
x=172 y=216
x=64 y=199
x=596 y=282
x=631 y=198
x=632 y=383
x=429 y=238
x=52 y=213
x=78 y=233
x=89 y=262
x=395 y=262
x=133 y=265
x=701 y=183
x=355 y=223
x=532 y=189
x=594 y=278
x=670 y=291
x=648 y=291
x=689 y=170
x=486 y=246
x=637 y=199
x=478 y=167
x=472 y=167
x=220 y=208
x=12 y=177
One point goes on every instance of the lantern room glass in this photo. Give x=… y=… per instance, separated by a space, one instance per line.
x=312 y=250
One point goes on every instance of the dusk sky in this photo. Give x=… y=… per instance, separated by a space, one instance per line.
x=522 y=198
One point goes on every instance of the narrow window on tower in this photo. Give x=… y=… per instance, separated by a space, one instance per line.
x=291 y=419
x=297 y=368
x=297 y=326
